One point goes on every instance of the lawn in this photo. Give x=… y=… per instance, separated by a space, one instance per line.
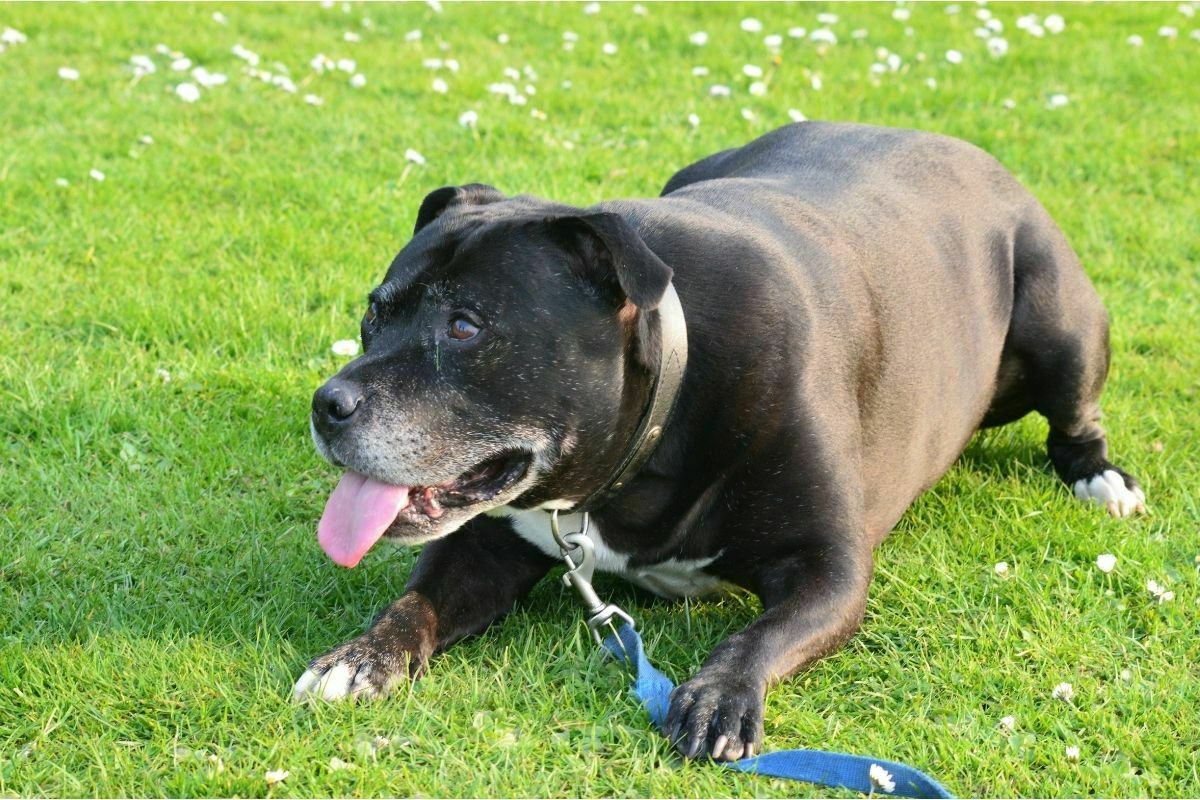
x=164 y=328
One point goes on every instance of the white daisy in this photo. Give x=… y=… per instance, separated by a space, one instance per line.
x=823 y=35
x=188 y=92
x=63 y=182
x=347 y=65
x=591 y=8
x=351 y=36
x=752 y=71
x=142 y=65
x=96 y=175
x=827 y=19
x=1135 y=41
x=773 y=42
x=747 y=114
x=220 y=18
x=209 y=79
x=249 y=56
x=1055 y=23
x=1001 y=568
x=1105 y=562
x=358 y=80
x=693 y=120
x=609 y=49
x=413 y=156
x=881 y=779
x=275 y=776
x=797 y=33
x=796 y=115
x=440 y=86
x=901 y=14
x=181 y=64
x=700 y=72
x=1063 y=691
x=997 y=46
x=314 y=100
x=751 y=25
x=954 y=57
x=13 y=36
x=468 y=119
x=68 y=73
x=758 y=88
x=1008 y=724
x=413 y=36
x=719 y=90
x=1168 y=31
x=502 y=38
x=1057 y=100
x=1072 y=753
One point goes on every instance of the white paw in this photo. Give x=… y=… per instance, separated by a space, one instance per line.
x=1108 y=490
x=339 y=682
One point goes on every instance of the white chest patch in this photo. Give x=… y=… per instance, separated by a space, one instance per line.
x=671 y=579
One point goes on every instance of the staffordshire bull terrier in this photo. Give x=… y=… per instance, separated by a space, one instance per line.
x=858 y=301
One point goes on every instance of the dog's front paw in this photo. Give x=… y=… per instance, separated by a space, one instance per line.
x=395 y=649
x=716 y=715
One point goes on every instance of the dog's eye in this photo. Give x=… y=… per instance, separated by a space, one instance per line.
x=462 y=329
x=371 y=313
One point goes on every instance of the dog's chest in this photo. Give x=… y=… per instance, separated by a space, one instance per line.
x=672 y=578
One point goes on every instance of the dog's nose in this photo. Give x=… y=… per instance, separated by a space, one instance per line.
x=334 y=405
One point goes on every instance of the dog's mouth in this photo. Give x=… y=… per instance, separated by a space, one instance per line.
x=362 y=510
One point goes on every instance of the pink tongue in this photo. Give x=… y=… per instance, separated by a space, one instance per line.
x=358 y=512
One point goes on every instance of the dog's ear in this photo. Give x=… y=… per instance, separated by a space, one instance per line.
x=614 y=256
x=437 y=201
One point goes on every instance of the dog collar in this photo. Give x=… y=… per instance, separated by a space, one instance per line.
x=671 y=364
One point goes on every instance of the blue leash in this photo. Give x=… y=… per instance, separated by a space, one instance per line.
x=815 y=766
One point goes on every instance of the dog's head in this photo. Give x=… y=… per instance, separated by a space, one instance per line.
x=506 y=356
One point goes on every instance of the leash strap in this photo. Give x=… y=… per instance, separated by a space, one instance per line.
x=814 y=766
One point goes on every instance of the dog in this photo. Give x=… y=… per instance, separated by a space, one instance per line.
x=858 y=302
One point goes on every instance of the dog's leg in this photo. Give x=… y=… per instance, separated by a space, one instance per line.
x=1059 y=336
x=460 y=585
x=812 y=576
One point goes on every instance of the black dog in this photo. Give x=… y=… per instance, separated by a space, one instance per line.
x=858 y=300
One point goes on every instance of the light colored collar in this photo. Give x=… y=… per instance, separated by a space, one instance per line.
x=671 y=365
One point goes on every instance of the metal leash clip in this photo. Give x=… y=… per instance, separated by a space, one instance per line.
x=579 y=554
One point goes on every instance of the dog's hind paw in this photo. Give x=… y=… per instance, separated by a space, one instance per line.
x=1112 y=490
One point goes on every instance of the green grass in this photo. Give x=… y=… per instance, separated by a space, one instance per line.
x=160 y=586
